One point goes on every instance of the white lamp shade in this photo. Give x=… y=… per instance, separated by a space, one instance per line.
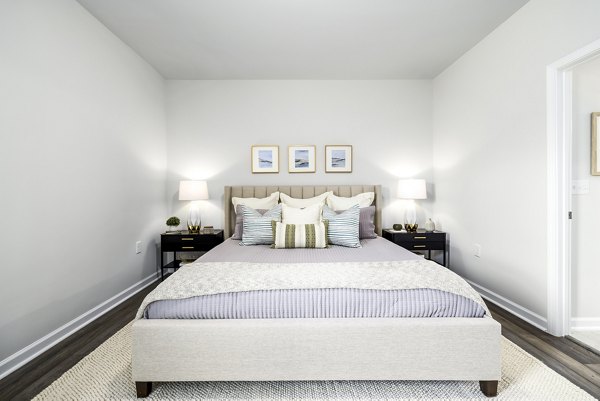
x=412 y=189
x=193 y=190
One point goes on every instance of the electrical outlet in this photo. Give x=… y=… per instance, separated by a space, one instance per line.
x=477 y=250
x=138 y=247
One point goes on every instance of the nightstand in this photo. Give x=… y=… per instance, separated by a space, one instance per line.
x=420 y=241
x=185 y=242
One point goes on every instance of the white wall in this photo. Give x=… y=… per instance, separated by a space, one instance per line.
x=585 y=274
x=490 y=147
x=82 y=167
x=212 y=125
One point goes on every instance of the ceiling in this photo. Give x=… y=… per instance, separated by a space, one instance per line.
x=301 y=39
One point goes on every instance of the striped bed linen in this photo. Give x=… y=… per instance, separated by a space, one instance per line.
x=318 y=303
x=315 y=303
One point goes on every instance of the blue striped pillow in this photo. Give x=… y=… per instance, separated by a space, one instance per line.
x=257 y=227
x=343 y=228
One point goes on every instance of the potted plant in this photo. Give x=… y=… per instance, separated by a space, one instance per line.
x=172 y=223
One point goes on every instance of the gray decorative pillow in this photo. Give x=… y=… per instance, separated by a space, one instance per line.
x=239 y=221
x=257 y=228
x=343 y=227
x=366 y=222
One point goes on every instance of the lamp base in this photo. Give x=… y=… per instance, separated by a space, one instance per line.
x=193 y=221
x=193 y=229
x=411 y=228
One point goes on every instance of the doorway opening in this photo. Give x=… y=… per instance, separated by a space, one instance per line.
x=585 y=202
x=560 y=180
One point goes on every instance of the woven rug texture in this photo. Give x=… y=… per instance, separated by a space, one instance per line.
x=105 y=374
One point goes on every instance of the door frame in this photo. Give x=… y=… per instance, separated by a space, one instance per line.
x=559 y=78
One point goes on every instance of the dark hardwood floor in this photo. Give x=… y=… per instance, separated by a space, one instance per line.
x=575 y=362
x=26 y=382
x=578 y=364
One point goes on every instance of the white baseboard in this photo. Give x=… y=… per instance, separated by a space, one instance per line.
x=508 y=305
x=21 y=357
x=585 y=323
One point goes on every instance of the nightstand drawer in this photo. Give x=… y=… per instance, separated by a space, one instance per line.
x=425 y=237
x=190 y=243
x=425 y=246
x=179 y=242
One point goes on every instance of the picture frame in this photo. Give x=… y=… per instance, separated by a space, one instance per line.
x=338 y=158
x=264 y=159
x=302 y=159
x=595 y=144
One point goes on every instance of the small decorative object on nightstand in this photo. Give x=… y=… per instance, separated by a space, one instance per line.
x=186 y=242
x=420 y=241
x=411 y=190
x=173 y=223
x=397 y=227
x=429 y=226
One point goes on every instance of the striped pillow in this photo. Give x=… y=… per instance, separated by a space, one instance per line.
x=257 y=228
x=343 y=228
x=366 y=225
x=299 y=235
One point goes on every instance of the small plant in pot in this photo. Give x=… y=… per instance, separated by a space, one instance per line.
x=172 y=223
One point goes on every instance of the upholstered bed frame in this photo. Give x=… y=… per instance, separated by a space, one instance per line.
x=315 y=349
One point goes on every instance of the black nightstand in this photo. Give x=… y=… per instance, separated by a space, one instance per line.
x=420 y=241
x=186 y=242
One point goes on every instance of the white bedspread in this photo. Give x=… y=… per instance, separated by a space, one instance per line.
x=209 y=278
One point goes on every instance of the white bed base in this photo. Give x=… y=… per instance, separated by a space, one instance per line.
x=317 y=349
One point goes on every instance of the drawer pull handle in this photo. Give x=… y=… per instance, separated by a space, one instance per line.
x=420 y=237
x=419 y=246
x=187 y=247
x=187 y=239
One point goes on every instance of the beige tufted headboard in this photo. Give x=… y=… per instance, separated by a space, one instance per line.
x=305 y=191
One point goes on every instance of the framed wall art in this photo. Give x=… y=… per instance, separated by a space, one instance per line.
x=265 y=159
x=302 y=158
x=595 y=143
x=338 y=158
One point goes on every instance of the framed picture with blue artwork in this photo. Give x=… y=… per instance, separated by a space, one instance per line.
x=265 y=159
x=302 y=158
x=338 y=158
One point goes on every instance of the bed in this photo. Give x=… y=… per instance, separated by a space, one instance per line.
x=299 y=348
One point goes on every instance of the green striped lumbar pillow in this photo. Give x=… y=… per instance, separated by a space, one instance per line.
x=299 y=235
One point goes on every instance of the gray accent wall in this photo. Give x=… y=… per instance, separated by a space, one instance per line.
x=82 y=167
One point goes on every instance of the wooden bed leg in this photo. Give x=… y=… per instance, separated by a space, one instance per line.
x=143 y=389
x=489 y=388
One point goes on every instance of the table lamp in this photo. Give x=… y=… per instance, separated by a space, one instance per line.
x=411 y=190
x=193 y=191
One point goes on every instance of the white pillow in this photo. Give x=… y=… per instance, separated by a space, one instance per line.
x=340 y=203
x=296 y=202
x=257 y=203
x=308 y=215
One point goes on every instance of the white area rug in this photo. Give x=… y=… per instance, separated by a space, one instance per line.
x=105 y=374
